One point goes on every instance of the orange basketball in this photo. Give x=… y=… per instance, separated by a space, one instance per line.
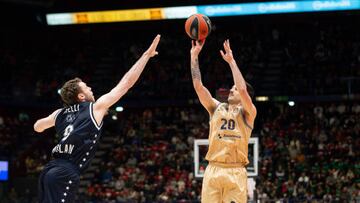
x=198 y=26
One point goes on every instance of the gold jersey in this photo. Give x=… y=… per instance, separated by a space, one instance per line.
x=228 y=137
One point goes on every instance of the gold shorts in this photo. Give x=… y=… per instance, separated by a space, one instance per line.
x=224 y=185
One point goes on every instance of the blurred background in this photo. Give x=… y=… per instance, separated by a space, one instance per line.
x=301 y=57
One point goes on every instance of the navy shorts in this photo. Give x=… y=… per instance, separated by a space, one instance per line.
x=58 y=182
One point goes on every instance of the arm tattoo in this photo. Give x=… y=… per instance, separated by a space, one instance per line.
x=195 y=71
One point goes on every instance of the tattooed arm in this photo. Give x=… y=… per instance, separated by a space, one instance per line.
x=203 y=93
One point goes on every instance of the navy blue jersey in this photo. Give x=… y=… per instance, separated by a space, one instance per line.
x=80 y=134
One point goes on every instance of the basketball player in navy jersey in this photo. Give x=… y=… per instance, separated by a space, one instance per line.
x=80 y=124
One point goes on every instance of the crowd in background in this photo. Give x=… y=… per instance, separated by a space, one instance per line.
x=308 y=152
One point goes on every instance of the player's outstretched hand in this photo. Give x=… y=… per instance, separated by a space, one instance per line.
x=227 y=56
x=196 y=47
x=151 y=51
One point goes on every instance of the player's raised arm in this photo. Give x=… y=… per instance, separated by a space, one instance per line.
x=203 y=93
x=128 y=80
x=239 y=81
x=45 y=123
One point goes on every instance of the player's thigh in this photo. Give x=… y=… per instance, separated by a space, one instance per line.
x=235 y=196
x=236 y=186
x=60 y=185
x=211 y=192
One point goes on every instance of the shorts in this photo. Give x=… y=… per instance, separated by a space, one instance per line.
x=224 y=185
x=58 y=182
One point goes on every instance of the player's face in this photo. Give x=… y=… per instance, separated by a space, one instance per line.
x=234 y=96
x=86 y=92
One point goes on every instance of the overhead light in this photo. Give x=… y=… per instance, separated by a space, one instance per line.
x=119 y=109
x=291 y=103
x=59 y=91
x=114 y=117
x=262 y=98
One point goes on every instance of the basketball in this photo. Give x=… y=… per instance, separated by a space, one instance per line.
x=198 y=26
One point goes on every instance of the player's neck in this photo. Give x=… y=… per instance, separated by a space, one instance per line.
x=231 y=106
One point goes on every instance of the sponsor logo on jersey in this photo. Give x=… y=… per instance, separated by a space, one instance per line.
x=70 y=118
x=228 y=137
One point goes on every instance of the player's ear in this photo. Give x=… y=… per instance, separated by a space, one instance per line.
x=81 y=97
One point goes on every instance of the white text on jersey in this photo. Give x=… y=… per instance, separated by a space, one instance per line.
x=66 y=148
x=72 y=109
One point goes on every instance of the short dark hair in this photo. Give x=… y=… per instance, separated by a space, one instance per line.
x=250 y=90
x=70 y=91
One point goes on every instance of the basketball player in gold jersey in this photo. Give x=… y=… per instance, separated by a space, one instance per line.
x=225 y=178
